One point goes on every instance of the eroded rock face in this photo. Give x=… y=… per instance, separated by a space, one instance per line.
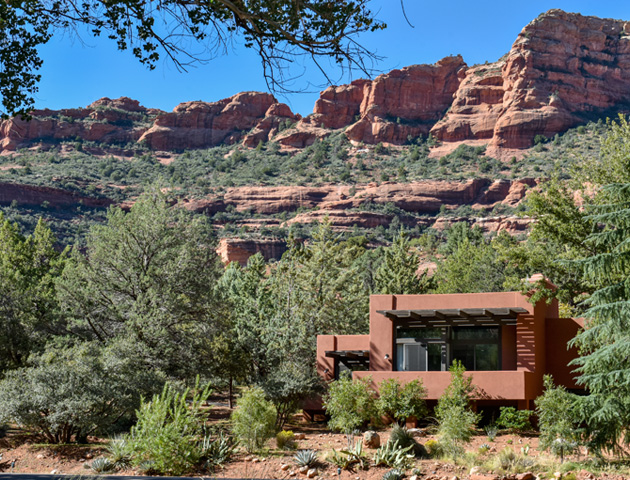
x=239 y=250
x=562 y=69
x=108 y=121
x=32 y=195
x=202 y=125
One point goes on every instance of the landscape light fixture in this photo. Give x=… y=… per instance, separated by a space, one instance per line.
x=387 y=356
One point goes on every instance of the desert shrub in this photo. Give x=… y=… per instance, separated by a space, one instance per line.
x=71 y=393
x=350 y=404
x=404 y=438
x=434 y=448
x=516 y=420
x=168 y=429
x=557 y=419
x=349 y=458
x=491 y=431
x=393 y=455
x=456 y=421
x=285 y=439
x=401 y=401
x=510 y=461
x=254 y=420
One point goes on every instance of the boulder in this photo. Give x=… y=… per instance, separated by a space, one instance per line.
x=371 y=439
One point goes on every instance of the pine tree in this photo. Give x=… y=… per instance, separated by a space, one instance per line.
x=398 y=272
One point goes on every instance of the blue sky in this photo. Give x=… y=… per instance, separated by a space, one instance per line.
x=76 y=72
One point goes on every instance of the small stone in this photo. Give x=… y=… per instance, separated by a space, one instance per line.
x=558 y=474
x=475 y=470
x=256 y=460
x=371 y=439
x=292 y=473
x=299 y=436
x=88 y=456
x=303 y=469
x=284 y=467
x=413 y=477
x=312 y=473
x=54 y=472
x=40 y=456
x=454 y=477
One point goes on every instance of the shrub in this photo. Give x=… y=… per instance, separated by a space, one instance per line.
x=120 y=452
x=557 y=419
x=347 y=459
x=350 y=404
x=456 y=421
x=516 y=420
x=434 y=448
x=402 y=436
x=285 y=439
x=491 y=431
x=511 y=462
x=167 y=431
x=254 y=420
x=401 y=402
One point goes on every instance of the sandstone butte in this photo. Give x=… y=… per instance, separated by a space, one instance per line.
x=562 y=70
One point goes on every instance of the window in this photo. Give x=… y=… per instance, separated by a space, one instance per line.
x=434 y=349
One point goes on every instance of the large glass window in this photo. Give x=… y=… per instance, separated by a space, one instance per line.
x=434 y=349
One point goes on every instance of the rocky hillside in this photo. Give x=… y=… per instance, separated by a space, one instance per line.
x=563 y=69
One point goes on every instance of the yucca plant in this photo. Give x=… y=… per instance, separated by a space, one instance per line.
x=102 y=465
x=305 y=458
x=393 y=456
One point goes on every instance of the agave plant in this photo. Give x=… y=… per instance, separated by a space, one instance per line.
x=217 y=451
x=119 y=452
x=305 y=458
x=102 y=465
x=393 y=456
x=394 y=474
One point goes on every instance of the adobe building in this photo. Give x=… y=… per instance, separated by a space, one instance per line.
x=506 y=344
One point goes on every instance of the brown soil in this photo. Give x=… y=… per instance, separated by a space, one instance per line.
x=31 y=455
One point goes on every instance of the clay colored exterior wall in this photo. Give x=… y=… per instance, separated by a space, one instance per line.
x=536 y=345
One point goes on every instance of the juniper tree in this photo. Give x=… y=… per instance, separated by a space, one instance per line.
x=398 y=272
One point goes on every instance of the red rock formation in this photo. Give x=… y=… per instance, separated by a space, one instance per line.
x=239 y=250
x=407 y=103
x=563 y=68
x=107 y=121
x=31 y=195
x=343 y=218
x=202 y=125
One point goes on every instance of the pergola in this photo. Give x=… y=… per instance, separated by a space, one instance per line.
x=455 y=317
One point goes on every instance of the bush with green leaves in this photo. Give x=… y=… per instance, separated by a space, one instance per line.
x=285 y=439
x=350 y=404
x=254 y=420
x=404 y=438
x=401 y=401
x=509 y=461
x=558 y=419
x=168 y=430
x=456 y=420
x=515 y=420
x=71 y=392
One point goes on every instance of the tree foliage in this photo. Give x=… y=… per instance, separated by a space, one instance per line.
x=350 y=404
x=147 y=278
x=278 y=30
x=401 y=401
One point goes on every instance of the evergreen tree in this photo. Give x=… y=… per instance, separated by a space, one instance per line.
x=604 y=365
x=398 y=271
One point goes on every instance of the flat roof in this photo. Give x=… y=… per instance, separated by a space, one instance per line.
x=461 y=317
